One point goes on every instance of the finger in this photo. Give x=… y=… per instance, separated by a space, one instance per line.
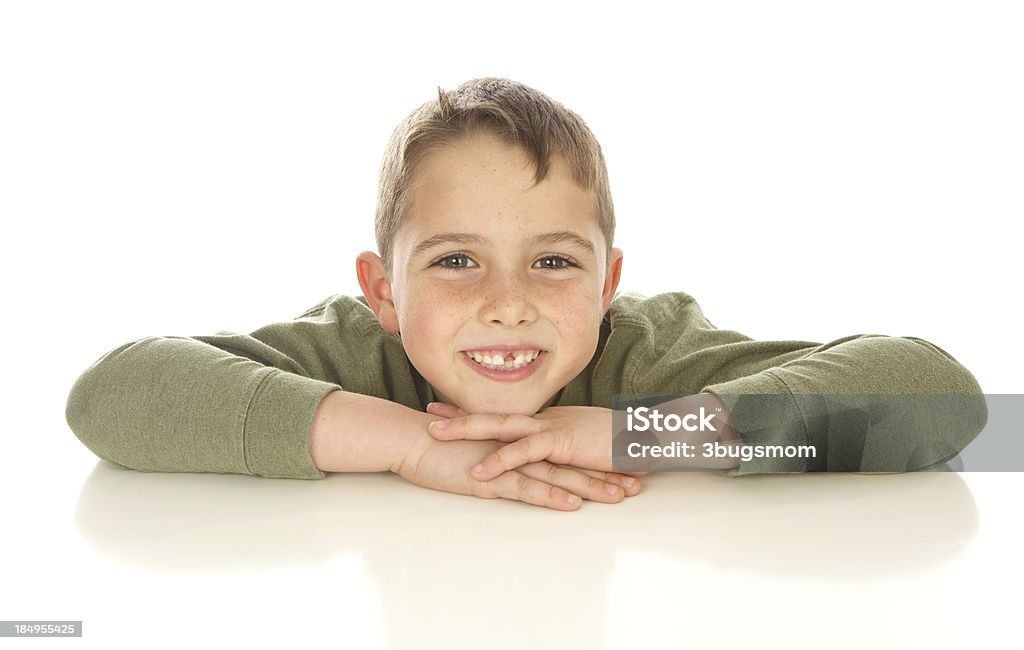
x=520 y=487
x=575 y=481
x=445 y=410
x=530 y=449
x=630 y=484
x=485 y=426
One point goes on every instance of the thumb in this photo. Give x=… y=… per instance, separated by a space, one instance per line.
x=445 y=410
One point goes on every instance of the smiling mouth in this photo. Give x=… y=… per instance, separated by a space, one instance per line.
x=508 y=361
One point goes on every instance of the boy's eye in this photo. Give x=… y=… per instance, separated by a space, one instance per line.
x=453 y=262
x=556 y=263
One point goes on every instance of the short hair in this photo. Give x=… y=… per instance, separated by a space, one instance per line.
x=514 y=112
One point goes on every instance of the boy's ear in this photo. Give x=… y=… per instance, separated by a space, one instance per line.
x=377 y=289
x=611 y=280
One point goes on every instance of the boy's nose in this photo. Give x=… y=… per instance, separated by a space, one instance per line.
x=507 y=300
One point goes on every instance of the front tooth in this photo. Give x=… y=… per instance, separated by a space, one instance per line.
x=499 y=360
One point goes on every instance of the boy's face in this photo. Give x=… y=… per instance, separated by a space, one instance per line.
x=509 y=287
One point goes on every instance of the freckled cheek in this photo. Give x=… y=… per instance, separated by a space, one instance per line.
x=568 y=295
x=574 y=320
x=435 y=321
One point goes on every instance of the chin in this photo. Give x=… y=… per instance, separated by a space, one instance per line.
x=500 y=406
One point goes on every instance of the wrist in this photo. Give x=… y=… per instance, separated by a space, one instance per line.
x=726 y=432
x=352 y=432
x=412 y=449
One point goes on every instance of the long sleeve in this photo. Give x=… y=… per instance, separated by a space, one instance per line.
x=864 y=403
x=234 y=403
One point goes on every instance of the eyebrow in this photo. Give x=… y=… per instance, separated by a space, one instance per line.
x=447 y=238
x=557 y=237
x=564 y=237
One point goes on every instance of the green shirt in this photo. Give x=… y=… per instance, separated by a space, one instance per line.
x=244 y=403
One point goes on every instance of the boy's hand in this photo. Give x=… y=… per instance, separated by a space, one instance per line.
x=580 y=436
x=444 y=466
x=572 y=435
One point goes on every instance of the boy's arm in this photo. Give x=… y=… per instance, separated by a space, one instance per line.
x=359 y=433
x=237 y=403
x=182 y=405
x=908 y=405
x=866 y=403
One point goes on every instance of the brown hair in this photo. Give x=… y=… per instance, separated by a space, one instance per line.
x=514 y=112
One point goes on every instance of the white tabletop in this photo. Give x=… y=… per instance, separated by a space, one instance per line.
x=369 y=561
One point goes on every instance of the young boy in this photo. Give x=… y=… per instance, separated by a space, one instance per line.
x=489 y=342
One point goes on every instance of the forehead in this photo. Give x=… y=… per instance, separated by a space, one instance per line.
x=480 y=184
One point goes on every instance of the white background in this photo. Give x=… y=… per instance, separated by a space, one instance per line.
x=806 y=170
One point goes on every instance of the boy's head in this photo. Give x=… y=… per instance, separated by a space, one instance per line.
x=495 y=226
x=518 y=115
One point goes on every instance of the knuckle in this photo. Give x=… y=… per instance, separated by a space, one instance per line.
x=522 y=484
x=554 y=494
x=563 y=441
x=593 y=486
x=484 y=490
x=553 y=472
x=502 y=456
x=533 y=447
